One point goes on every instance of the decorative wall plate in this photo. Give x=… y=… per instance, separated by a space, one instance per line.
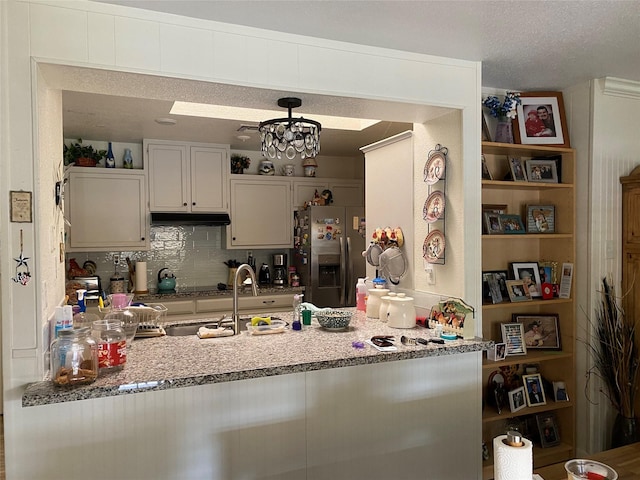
x=434 y=207
x=434 y=168
x=433 y=246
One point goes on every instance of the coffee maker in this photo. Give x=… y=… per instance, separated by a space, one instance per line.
x=280 y=269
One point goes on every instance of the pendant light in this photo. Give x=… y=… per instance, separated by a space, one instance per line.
x=288 y=137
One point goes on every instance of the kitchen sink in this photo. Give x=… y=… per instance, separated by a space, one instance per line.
x=185 y=329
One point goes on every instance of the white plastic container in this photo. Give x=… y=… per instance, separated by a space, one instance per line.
x=373 y=301
x=361 y=295
x=401 y=312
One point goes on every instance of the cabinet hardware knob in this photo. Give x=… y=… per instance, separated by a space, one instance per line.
x=184 y=204
x=142 y=239
x=193 y=203
x=268 y=301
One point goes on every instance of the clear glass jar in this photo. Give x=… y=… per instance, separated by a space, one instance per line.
x=128 y=319
x=74 y=357
x=112 y=344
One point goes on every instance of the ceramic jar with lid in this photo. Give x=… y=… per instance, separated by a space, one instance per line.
x=401 y=312
x=384 y=305
x=373 y=301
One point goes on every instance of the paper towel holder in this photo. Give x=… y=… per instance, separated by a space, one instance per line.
x=514 y=439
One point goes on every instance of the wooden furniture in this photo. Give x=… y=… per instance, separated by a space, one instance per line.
x=106 y=209
x=631 y=248
x=498 y=251
x=187 y=177
x=624 y=460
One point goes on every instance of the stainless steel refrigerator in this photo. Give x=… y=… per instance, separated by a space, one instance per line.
x=328 y=253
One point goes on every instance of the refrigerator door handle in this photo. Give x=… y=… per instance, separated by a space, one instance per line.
x=343 y=265
x=351 y=294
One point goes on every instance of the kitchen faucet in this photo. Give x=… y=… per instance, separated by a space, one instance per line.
x=254 y=291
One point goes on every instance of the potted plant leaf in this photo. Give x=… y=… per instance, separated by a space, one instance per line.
x=82 y=155
x=616 y=361
x=239 y=163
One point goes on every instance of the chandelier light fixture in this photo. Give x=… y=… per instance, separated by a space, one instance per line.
x=287 y=137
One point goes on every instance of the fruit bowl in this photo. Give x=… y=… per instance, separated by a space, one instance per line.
x=334 y=319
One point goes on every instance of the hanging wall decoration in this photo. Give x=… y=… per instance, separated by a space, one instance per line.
x=23 y=275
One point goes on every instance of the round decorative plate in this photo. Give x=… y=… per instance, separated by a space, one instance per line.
x=434 y=207
x=433 y=246
x=434 y=168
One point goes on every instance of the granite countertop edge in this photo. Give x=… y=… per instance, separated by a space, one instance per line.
x=192 y=365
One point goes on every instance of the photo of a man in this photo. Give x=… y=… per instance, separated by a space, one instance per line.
x=535 y=393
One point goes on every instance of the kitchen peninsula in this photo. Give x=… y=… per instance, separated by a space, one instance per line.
x=297 y=390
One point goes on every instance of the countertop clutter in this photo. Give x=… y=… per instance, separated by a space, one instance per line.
x=196 y=292
x=162 y=363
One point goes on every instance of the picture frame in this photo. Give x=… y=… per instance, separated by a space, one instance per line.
x=518 y=172
x=518 y=291
x=486 y=134
x=548 y=272
x=511 y=224
x=498 y=352
x=566 y=280
x=494 y=286
x=541 y=120
x=541 y=218
x=491 y=208
x=548 y=429
x=534 y=390
x=530 y=273
x=517 y=400
x=513 y=337
x=21 y=206
x=541 y=331
x=486 y=174
x=492 y=223
x=542 y=171
x=560 y=392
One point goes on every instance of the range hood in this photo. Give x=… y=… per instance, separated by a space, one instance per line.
x=177 y=218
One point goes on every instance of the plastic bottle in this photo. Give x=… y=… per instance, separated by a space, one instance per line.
x=63 y=319
x=361 y=295
x=110 y=159
x=297 y=302
x=83 y=318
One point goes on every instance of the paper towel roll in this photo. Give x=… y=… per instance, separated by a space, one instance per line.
x=512 y=463
x=141 y=277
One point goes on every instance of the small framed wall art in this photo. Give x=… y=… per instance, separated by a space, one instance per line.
x=541 y=218
x=513 y=337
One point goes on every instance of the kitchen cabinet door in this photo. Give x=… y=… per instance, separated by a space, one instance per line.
x=261 y=213
x=209 y=179
x=347 y=194
x=107 y=210
x=168 y=177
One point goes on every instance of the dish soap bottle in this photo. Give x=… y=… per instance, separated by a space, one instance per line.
x=110 y=159
x=361 y=295
x=297 y=302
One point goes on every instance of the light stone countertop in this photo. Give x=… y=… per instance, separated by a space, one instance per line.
x=161 y=363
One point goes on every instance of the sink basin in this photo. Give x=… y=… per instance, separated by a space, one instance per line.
x=185 y=329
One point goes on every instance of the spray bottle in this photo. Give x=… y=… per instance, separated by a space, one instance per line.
x=361 y=294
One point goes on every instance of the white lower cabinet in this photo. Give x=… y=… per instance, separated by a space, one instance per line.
x=224 y=304
x=107 y=209
x=261 y=213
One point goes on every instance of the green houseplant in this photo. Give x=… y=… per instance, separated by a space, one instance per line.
x=239 y=163
x=82 y=155
x=616 y=361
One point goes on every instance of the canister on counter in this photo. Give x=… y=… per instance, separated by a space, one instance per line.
x=74 y=357
x=116 y=284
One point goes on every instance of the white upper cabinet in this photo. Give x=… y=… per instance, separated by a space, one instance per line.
x=106 y=209
x=187 y=177
x=261 y=213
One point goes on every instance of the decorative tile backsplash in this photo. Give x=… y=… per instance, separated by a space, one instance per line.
x=194 y=254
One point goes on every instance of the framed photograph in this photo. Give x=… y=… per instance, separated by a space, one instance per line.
x=517 y=167
x=541 y=218
x=541 y=119
x=535 y=392
x=541 y=332
x=498 y=352
x=548 y=429
x=548 y=272
x=486 y=174
x=517 y=400
x=560 y=392
x=513 y=337
x=565 y=281
x=491 y=208
x=494 y=286
x=492 y=223
x=544 y=171
x=511 y=224
x=530 y=273
x=518 y=291
x=21 y=206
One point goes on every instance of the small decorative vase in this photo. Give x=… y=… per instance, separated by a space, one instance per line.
x=127 y=160
x=504 y=130
x=625 y=431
